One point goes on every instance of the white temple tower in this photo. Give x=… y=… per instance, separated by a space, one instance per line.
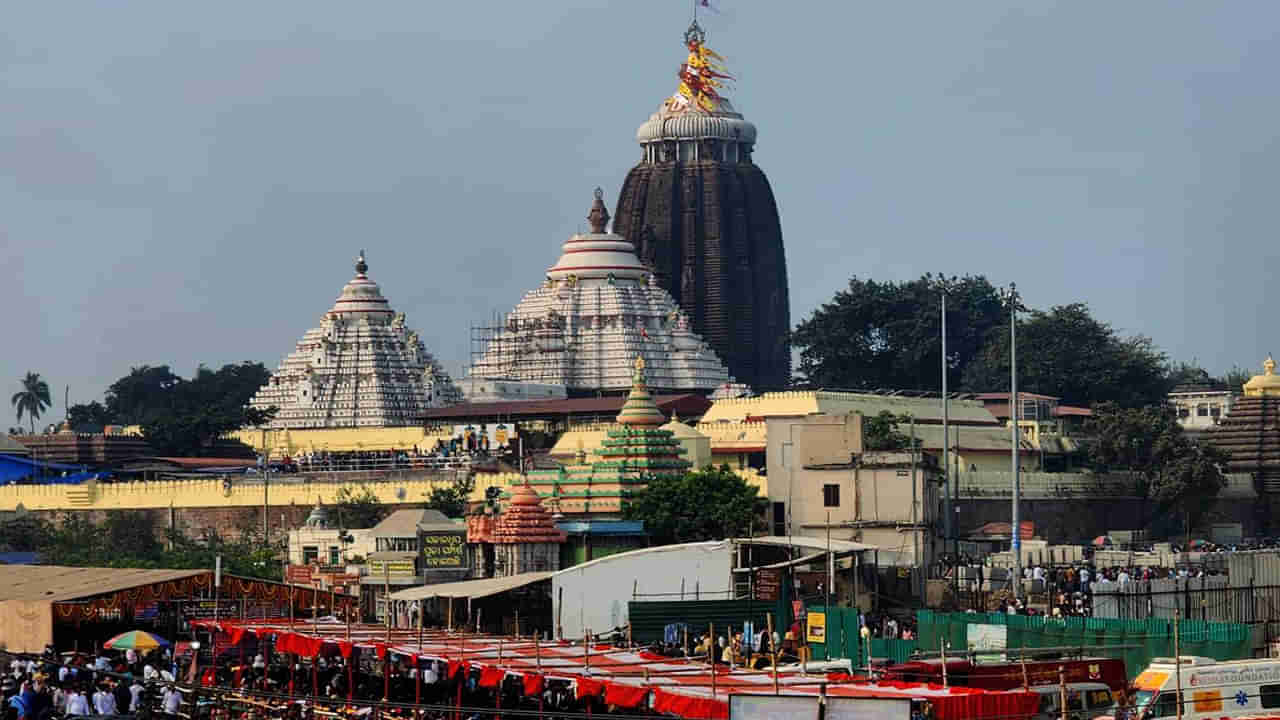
x=599 y=309
x=361 y=368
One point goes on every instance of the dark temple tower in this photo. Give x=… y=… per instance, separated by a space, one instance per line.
x=703 y=216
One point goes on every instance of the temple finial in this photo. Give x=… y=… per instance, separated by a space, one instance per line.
x=362 y=267
x=599 y=216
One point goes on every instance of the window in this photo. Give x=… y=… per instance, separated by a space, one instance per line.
x=1202 y=410
x=831 y=496
x=1270 y=695
x=1184 y=411
x=1166 y=705
x=779 y=519
x=1099 y=699
x=1215 y=411
x=309 y=554
x=335 y=558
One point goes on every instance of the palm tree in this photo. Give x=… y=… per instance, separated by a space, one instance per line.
x=33 y=400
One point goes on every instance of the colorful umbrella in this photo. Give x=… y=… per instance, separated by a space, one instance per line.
x=1101 y=541
x=136 y=640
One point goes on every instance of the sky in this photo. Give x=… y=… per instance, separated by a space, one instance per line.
x=187 y=183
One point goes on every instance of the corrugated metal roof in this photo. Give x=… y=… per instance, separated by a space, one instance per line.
x=472 y=588
x=57 y=583
x=406 y=523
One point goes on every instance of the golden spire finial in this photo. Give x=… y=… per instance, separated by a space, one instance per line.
x=640 y=362
x=1269 y=366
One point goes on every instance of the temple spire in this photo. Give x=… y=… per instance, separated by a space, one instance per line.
x=640 y=410
x=599 y=215
x=362 y=267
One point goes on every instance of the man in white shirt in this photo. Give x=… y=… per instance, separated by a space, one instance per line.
x=1123 y=577
x=76 y=704
x=135 y=693
x=171 y=701
x=104 y=702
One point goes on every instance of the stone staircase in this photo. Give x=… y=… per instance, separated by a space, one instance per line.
x=82 y=495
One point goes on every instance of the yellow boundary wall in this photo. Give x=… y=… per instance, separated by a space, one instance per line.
x=393 y=488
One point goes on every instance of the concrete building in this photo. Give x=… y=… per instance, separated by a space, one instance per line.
x=1201 y=407
x=821 y=480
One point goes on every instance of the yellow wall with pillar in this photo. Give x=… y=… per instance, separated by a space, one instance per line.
x=242 y=491
x=295 y=442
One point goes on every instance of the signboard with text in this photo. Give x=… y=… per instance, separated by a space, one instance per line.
x=767 y=585
x=298 y=574
x=378 y=569
x=443 y=550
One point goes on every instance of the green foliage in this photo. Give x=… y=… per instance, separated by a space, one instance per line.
x=1176 y=472
x=1235 y=378
x=887 y=335
x=127 y=539
x=880 y=432
x=358 y=509
x=451 y=500
x=1066 y=353
x=25 y=533
x=183 y=417
x=707 y=504
x=89 y=415
x=32 y=400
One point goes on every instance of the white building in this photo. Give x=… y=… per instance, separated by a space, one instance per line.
x=1200 y=407
x=598 y=309
x=361 y=368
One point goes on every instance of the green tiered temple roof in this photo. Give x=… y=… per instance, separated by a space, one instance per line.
x=632 y=455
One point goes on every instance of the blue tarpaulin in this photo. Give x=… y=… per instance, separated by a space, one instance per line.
x=14 y=468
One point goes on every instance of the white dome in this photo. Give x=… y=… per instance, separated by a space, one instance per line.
x=596 y=256
x=697 y=125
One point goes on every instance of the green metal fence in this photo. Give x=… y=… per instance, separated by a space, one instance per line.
x=1134 y=641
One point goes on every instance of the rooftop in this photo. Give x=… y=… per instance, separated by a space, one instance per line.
x=56 y=583
x=688 y=405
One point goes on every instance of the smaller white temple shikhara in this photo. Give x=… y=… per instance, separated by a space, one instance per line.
x=361 y=368
x=598 y=310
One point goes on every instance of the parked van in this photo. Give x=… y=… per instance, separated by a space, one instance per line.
x=1210 y=689
x=1085 y=701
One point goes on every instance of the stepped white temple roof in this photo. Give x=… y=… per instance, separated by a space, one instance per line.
x=361 y=368
x=599 y=309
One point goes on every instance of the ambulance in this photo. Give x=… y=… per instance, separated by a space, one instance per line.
x=1211 y=689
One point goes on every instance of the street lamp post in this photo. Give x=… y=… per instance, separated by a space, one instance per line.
x=1015 y=530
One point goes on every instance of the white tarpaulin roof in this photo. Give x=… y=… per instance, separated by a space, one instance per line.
x=472 y=588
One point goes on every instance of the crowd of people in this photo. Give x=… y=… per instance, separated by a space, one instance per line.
x=76 y=684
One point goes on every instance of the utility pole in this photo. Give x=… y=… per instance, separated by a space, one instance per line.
x=1015 y=529
x=946 y=408
x=1177 y=662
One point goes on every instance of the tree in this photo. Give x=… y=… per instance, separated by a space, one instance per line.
x=33 y=399
x=89 y=415
x=707 y=504
x=185 y=417
x=451 y=500
x=144 y=392
x=1179 y=474
x=880 y=432
x=1066 y=353
x=888 y=335
x=358 y=509
x=1235 y=378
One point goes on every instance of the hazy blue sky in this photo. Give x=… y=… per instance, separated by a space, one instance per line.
x=189 y=182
